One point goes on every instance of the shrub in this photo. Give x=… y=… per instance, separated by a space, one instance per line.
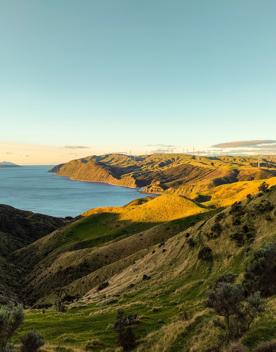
x=237 y=208
x=205 y=254
x=202 y=198
x=216 y=230
x=236 y=220
x=191 y=243
x=220 y=216
x=238 y=238
x=31 y=342
x=11 y=317
x=264 y=206
x=123 y=326
x=103 y=285
x=237 y=348
x=59 y=303
x=62 y=349
x=94 y=344
x=229 y=278
x=266 y=347
x=263 y=187
x=212 y=349
x=229 y=301
x=260 y=274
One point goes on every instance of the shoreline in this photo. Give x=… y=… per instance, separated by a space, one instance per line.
x=139 y=189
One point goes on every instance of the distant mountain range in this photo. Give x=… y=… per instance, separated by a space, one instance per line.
x=8 y=164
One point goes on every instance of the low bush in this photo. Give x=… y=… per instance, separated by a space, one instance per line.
x=266 y=347
x=263 y=187
x=11 y=318
x=191 y=243
x=230 y=302
x=260 y=274
x=124 y=328
x=103 y=285
x=206 y=254
x=237 y=347
x=31 y=342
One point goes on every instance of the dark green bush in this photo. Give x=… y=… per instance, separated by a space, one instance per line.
x=124 y=328
x=260 y=274
x=264 y=206
x=237 y=208
x=103 y=285
x=229 y=301
x=263 y=187
x=202 y=198
x=31 y=342
x=206 y=254
x=11 y=317
x=238 y=238
x=237 y=347
x=191 y=243
x=266 y=347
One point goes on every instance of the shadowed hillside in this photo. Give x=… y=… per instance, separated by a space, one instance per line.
x=18 y=228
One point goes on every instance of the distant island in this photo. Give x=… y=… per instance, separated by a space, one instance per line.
x=8 y=164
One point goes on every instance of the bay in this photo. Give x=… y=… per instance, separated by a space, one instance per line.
x=34 y=188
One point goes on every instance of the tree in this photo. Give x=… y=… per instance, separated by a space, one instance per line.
x=11 y=317
x=31 y=342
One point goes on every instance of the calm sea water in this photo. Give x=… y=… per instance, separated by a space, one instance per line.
x=34 y=188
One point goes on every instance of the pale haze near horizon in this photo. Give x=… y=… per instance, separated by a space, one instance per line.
x=127 y=74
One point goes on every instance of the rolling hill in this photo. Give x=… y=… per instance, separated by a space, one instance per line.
x=155 y=258
x=155 y=269
x=159 y=172
x=18 y=228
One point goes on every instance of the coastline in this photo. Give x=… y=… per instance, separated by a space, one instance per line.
x=139 y=189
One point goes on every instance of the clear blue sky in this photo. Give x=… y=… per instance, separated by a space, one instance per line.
x=137 y=71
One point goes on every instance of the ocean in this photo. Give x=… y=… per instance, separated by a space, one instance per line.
x=34 y=188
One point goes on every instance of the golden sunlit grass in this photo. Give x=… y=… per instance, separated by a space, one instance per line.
x=166 y=207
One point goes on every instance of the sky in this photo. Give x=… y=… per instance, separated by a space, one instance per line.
x=127 y=74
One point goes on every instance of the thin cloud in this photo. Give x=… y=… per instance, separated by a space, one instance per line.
x=76 y=147
x=161 y=145
x=241 y=144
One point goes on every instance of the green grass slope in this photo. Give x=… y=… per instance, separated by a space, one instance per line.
x=86 y=252
x=170 y=301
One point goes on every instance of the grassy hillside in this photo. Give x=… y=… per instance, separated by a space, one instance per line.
x=150 y=267
x=18 y=228
x=158 y=172
x=155 y=258
x=223 y=195
x=86 y=252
